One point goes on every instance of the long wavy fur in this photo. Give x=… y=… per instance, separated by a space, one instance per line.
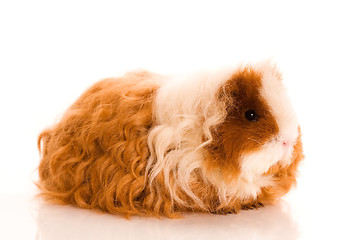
x=137 y=145
x=103 y=171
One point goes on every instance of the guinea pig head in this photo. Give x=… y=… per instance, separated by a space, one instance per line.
x=259 y=131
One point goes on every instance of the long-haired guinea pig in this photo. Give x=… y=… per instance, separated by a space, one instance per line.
x=145 y=144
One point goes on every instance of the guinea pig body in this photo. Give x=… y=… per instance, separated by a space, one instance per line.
x=148 y=145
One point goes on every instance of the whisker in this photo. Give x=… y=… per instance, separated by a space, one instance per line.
x=256 y=141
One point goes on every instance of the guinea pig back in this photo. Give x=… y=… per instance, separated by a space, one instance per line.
x=151 y=145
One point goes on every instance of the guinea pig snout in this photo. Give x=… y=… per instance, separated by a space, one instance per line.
x=286 y=143
x=285 y=146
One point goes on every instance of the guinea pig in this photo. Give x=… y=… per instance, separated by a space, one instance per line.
x=151 y=145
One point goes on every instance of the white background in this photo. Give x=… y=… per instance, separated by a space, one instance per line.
x=51 y=51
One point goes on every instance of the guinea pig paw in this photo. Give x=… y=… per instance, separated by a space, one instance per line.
x=224 y=211
x=252 y=206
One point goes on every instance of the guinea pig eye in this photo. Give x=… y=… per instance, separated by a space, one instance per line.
x=251 y=115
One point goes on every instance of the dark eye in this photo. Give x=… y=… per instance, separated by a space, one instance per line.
x=251 y=115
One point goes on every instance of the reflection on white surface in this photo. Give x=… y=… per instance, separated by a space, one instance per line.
x=65 y=222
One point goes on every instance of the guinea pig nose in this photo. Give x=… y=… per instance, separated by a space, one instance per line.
x=285 y=143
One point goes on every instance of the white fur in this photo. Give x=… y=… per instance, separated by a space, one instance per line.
x=275 y=94
x=185 y=110
x=241 y=188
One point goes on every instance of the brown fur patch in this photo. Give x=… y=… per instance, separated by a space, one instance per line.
x=237 y=136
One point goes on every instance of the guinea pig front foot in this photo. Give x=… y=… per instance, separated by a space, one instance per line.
x=224 y=211
x=252 y=206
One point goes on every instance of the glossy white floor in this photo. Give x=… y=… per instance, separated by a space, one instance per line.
x=51 y=51
x=320 y=208
x=61 y=222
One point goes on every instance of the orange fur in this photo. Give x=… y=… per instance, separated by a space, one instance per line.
x=96 y=156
